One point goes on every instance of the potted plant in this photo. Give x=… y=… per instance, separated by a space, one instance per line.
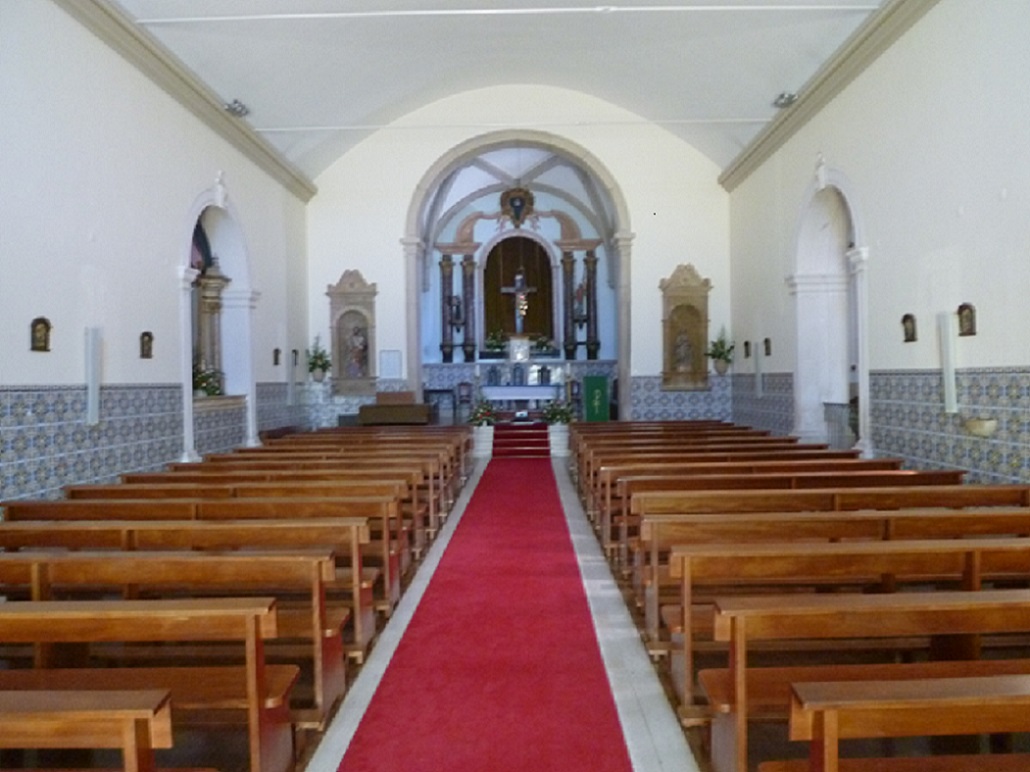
x=494 y=344
x=483 y=417
x=720 y=351
x=207 y=381
x=558 y=414
x=318 y=360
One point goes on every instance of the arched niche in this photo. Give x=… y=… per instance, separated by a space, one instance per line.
x=684 y=329
x=353 y=328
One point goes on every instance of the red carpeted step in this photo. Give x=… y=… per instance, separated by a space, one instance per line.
x=521 y=440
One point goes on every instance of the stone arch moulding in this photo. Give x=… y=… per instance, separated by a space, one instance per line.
x=234 y=259
x=805 y=285
x=619 y=243
x=352 y=326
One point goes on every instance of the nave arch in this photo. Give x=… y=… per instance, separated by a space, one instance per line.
x=215 y=210
x=829 y=285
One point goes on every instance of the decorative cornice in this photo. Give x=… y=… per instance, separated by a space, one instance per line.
x=871 y=39
x=149 y=56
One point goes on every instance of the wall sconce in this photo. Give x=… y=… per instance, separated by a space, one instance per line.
x=457 y=320
x=767 y=346
x=747 y=349
x=276 y=353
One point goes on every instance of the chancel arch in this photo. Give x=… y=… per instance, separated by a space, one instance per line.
x=470 y=211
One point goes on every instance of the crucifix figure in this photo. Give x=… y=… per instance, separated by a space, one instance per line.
x=521 y=293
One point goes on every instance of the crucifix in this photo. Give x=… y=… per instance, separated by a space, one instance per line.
x=521 y=293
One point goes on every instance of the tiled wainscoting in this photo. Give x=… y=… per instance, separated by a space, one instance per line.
x=46 y=444
x=274 y=410
x=771 y=409
x=908 y=420
x=649 y=402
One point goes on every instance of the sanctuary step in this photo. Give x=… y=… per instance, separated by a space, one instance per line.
x=521 y=439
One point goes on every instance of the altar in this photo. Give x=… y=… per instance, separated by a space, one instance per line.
x=534 y=393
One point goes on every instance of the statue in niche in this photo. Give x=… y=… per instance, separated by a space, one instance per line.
x=684 y=353
x=357 y=353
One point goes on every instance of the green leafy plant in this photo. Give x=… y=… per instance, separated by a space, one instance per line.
x=207 y=380
x=720 y=349
x=496 y=340
x=483 y=414
x=318 y=357
x=558 y=412
x=542 y=343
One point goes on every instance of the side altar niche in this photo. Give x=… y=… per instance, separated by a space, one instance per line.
x=684 y=330
x=353 y=328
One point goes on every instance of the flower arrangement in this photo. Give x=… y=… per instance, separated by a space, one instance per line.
x=496 y=340
x=483 y=414
x=543 y=343
x=207 y=380
x=558 y=412
x=318 y=357
x=720 y=349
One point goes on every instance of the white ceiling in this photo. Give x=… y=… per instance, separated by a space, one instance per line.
x=319 y=75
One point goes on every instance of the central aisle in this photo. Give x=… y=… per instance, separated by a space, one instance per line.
x=499 y=668
x=649 y=726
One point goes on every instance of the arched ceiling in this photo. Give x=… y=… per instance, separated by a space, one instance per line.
x=320 y=75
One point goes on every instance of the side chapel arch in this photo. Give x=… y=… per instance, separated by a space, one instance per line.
x=415 y=241
x=221 y=221
x=831 y=304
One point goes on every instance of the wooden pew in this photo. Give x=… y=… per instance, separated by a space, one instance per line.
x=416 y=517
x=260 y=690
x=740 y=692
x=440 y=463
x=430 y=468
x=653 y=585
x=296 y=579
x=856 y=566
x=133 y=722
x=631 y=486
x=412 y=475
x=826 y=712
x=830 y=500
x=592 y=456
x=708 y=455
x=344 y=536
x=608 y=475
x=380 y=510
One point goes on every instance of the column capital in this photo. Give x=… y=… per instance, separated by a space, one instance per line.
x=858 y=258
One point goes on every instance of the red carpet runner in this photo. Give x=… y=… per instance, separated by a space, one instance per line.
x=499 y=668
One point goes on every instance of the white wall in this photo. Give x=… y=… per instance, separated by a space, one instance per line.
x=933 y=141
x=678 y=212
x=100 y=170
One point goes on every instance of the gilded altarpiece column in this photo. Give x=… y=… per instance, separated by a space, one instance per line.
x=447 y=308
x=593 y=341
x=468 y=291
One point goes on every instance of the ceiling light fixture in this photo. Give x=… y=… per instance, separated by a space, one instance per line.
x=236 y=108
x=785 y=99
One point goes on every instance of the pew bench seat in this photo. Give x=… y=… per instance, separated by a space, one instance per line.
x=824 y=713
x=135 y=722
